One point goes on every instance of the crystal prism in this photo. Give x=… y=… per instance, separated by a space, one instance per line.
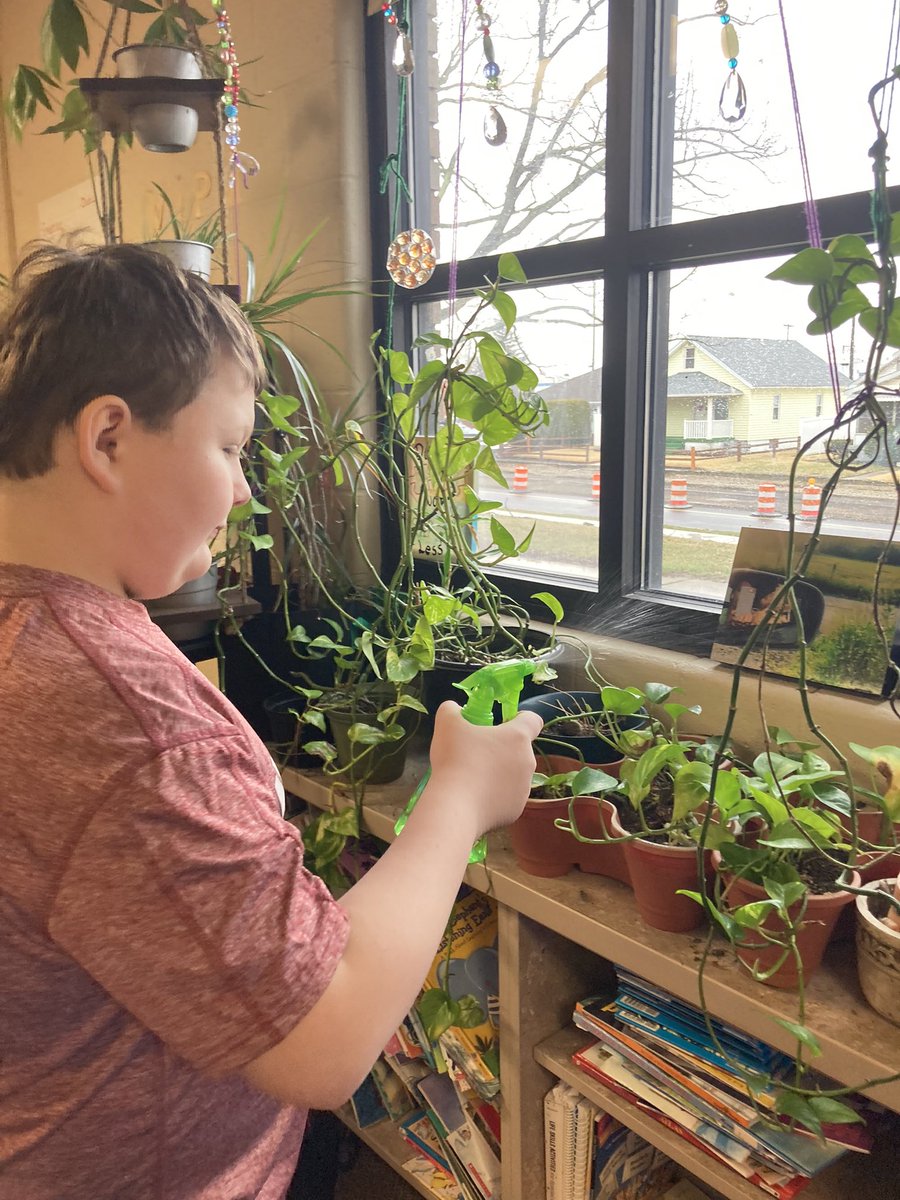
x=494 y=128
x=403 y=61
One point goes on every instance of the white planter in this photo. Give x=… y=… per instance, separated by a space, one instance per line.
x=143 y=58
x=189 y=256
x=165 y=128
x=878 y=954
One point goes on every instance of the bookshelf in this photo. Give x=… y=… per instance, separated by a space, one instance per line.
x=387 y=1143
x=558 y=939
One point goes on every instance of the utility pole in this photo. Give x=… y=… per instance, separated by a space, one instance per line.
x=787 y=331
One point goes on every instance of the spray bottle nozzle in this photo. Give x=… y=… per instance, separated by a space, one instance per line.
x=496 y=683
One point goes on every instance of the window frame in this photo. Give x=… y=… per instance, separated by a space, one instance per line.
x=630 y=259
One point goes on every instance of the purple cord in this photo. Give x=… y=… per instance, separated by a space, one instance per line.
x=454 y=261
x=813 y=231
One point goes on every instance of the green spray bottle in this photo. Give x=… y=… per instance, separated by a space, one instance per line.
x=497 y=683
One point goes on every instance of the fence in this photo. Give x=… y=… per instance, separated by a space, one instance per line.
x=735 y=449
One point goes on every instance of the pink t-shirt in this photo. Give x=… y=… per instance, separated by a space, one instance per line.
x=157 y=928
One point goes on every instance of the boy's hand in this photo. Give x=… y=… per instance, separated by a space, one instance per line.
x=489 y=768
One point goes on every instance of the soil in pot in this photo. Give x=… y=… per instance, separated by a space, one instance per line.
x=824 y=907
x=542 y=849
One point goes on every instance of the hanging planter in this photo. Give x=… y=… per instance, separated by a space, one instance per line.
x=878 y=953
x=161 y=125
x=188 y=255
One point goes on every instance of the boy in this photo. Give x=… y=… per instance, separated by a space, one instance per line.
x=175 y=990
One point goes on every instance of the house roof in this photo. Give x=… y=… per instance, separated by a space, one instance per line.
x=698 y=383
x=768 y=362
x=581 y=387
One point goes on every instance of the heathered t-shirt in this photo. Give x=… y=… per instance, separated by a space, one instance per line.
x=157 y=928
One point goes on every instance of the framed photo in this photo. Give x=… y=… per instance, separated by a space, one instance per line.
x=835 y=609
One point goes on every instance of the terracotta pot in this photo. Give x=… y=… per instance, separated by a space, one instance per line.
x=822 y=913
x=657 y=872
x=878 y=954
x=873 y=865
x=542 y=849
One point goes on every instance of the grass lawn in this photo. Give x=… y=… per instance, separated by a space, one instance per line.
x=764 y=465
x=575 y=546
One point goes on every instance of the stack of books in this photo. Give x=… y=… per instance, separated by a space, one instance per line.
x=705 y=1080
x=442 y=1093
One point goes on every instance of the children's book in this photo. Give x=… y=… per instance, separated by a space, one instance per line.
x=368 y=1107
x=466 y=967
x=626 y=1167
x=436 y=1180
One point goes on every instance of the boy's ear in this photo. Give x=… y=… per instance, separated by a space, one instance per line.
x=101 y=428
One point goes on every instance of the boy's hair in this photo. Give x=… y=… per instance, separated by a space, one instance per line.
x=107 y=320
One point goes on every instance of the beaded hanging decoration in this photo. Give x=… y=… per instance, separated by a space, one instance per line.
x=733 y=97
x=411 y=258
x=239 y=162
x=494 y=125
x=402 y=59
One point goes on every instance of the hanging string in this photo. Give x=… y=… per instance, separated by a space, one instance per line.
x=889 y=62
x=392 y=169
x=813 y=230
x=454 y=257
x=223 y=212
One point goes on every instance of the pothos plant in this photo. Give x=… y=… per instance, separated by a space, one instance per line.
x=845 y=279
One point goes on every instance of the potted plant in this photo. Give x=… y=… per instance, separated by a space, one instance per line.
x=783 y=887
x=878 y=947
x=589 y=725
x=190 y=247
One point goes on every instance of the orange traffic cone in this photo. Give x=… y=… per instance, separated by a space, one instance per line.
x=678 y=494
x=520 y=479
x=809 y=504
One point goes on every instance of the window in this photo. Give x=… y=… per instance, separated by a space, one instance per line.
x=646 y=225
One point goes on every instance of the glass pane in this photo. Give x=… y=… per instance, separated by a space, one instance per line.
x=742 y=387
x=544 y=183
x=554 y=477
x=713 y=166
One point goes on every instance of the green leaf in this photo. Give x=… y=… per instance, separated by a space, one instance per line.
x=135 y=6
x=437 y=1012
x=658 y=693
x=504 y=540
x=551 y=602
x=427 y=378
x=591 y=780
x=854 y=259
x=691 y=789
x=871 y=322
x=506 y=307
x=488 y=465
x=751 y=916
x=802 y=1034
x=259 y=541
x=68 y=30
x=809 y=266
x=432 y=339
x=49 y=46
x=800 y=1110
x=832 y=1112
x=470 y=1014
x=623 y=702
x=398 y=365
x=509 y=267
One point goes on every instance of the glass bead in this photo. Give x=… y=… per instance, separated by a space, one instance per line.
x=730 y=45
x=392 y=20
x=721 y=6
x=725 y=19
x=231 y=139
x=732 y=62
x=488 y=47
x=231 y=110
x=491 y=70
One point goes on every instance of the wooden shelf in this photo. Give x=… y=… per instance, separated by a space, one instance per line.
x=112 y=99
x=388 y=1144
x=600 y=915
x=853 y=1175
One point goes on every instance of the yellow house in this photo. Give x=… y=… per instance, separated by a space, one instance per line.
x=724 y=389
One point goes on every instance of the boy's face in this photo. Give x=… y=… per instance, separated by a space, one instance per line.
x=183 y=482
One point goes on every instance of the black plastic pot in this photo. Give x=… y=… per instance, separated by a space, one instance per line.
x=593 y=748
x=381 y=763
x=439 y=684
x=288 y=731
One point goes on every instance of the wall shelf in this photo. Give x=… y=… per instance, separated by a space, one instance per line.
x=112 y=99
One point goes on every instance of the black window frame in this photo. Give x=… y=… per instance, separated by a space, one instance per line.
x=630 y=258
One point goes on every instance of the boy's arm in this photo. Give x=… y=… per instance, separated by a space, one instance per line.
x=399 y=909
